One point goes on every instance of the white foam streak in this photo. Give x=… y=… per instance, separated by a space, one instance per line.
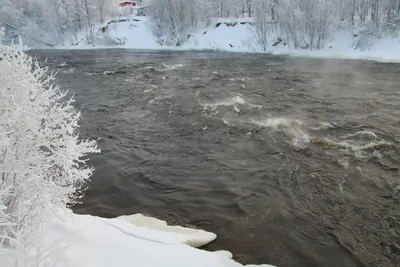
x=225 y=121
x=361 y=134
x=69 y=71
x=290 y=126
x=171 y=67
x=370 y=145
x=323 y=126
x=234 y=101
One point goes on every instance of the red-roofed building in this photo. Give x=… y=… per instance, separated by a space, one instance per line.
x=127 y=3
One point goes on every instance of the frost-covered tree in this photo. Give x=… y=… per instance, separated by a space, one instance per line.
x=173 y=21
x=42 y=158
x=100 y=5
x=54 y=21
x=380 y=14
x=305 y=23
x=263 y=23
x=249 y=7
x=226 y=8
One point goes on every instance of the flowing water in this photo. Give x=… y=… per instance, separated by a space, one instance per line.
x=291 y=161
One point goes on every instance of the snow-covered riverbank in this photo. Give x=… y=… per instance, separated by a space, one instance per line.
x=236 y=35
x=83 y=240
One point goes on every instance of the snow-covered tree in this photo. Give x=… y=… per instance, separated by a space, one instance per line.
x=54 y=21
x=226 y=8
x=305 y=23
x=263 y=23
x=173 y=21
x=249 y=7
x=42 y=158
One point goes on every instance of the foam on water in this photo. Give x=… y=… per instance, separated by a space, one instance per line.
x=355 y=143
x=239 y=79
x=164 y=67
x=171 y=67
x=361 y=134
x=359 y=148
x=292 y=127
x=277 y=122
x=233 y=101
x=227 y=122
x=377 y=155
x=152 y=69
x=69 y=71
x=148 y=90
x=89 y=73
x=108 y=72
x=344 y=162
x=323 y=126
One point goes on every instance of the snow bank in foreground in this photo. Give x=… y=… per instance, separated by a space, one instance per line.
x=171 y=234
x=129 y=241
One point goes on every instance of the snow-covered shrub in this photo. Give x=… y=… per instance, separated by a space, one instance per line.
x=42 y=159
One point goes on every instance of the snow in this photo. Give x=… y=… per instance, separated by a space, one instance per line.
x=341 y=46
x=241 y=38
x=128 y=34
x=127 y=241
x=235 y=39
x=137 y=34
x=171 y=234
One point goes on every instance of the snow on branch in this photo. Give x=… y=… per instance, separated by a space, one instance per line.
x=42 y=158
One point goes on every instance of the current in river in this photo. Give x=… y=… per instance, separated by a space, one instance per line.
x=290 y=161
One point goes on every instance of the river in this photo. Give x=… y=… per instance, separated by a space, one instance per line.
x=290 y=161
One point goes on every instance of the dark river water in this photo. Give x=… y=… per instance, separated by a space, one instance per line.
x=291 y=161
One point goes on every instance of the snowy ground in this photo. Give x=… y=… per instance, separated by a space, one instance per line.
x=135 y=34
x=84 y=240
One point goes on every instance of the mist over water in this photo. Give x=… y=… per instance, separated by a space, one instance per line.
x=291 y=161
